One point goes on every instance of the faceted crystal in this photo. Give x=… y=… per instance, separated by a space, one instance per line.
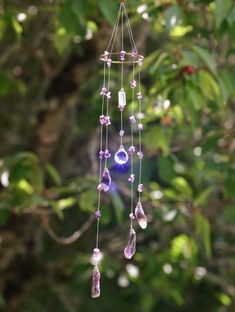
x=105 y=181
x=140 y=216
x=121 y=157
x=95 y=286
x=129 y=251
x=121 y=99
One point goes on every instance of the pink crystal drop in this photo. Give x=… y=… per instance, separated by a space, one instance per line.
x=95 y=286
x=105 y=180
x=129 y=251
x=140 y=216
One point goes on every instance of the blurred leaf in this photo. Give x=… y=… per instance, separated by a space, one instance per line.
x=109 y=10
x=183 y=246
x=87 y=200
x=118 y=205
x=223 y=7
x=207 y=58
x=182 y=186
x=204 y=232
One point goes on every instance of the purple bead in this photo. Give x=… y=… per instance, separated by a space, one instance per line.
x=109 y=62
x=140 y=154
x=140 y=188
x=132 y=119
x=101 y=154
x=103 y=90
x=140 y=216
x=130 y=249
x=139 y=96
x=102 y=120
x=131 y=216
x=122 y=55
x=105 y=120
x=108 y=95
x=134 y=53
x=140 y=62
x=132 y=150
x=133 y=84
x=132 y=178
x=107 y=154
x=106 y=54
x=121 y=133
x=140 y=126
x=97 y=214
x=95 y=286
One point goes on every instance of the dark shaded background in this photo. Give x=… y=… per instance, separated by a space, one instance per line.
x=50 y=76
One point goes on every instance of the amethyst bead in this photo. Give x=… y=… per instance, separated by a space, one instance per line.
x=140 y=154
x=101 y=154
x=139 y=96
x=130 y=249
x=132 y=119
x=97 y=214
x=122 y=55
x=109 y=62
x=132 y=150
x=103 y=91
x=131 y=216
x=133 y=84
x=121 y=133
x=107 y=154
x=140 y=188
x=132 y=178
x=134 y=54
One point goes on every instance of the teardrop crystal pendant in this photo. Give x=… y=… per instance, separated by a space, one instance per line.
x=129 y=251
x=121 y=157
x=95 y=286
x=105 y=181
x=140 y=215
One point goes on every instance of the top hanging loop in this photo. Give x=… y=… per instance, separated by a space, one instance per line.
x=122 y=1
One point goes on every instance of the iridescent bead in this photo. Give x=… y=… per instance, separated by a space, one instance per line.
x=107 y=154
x=121 y=133
x=134 y=53
x=132 y=119
x=140 y=188
x=108 y=95
x=101 y=154
x=131 y=216
x=140 y=154
x=122 y=55
x=132 y=178
x=133 y=84
x=103 y=90
x=97 y=214
x=109 y=62
x=132 y=150
x=139 y=96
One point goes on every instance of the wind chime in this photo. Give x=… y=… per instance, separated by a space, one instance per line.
x=124 y=59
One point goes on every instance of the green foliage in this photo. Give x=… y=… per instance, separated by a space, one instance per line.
x=49 y=107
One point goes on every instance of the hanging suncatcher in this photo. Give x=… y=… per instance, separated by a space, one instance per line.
x=124 y=59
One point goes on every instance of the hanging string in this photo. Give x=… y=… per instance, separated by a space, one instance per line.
x=140 y=132
x=132 y=144
x=100 y=162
